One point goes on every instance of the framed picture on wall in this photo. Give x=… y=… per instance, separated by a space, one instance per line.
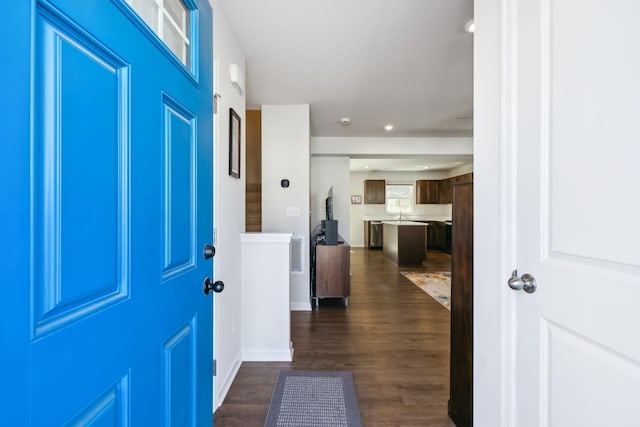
x=356 y=200
x=234 y=144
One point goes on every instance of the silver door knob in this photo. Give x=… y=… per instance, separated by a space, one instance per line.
x=526 y=282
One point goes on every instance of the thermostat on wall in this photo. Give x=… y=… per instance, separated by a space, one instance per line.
x=284 y=183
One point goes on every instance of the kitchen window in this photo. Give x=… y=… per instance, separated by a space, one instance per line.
x=399 y=198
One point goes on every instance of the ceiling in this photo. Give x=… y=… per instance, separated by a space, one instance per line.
x=405 y=62
x=410 y=163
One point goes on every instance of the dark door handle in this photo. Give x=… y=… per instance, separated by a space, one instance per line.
x=209 y=286
x=209 y=251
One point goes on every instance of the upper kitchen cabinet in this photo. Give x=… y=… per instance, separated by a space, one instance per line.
x=446 y=186
x=374 y=191
x=446 y=190
x=427 y=191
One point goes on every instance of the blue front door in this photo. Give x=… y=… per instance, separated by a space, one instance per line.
x=106 y=164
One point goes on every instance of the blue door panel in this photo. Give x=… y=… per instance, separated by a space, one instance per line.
x=179 y=177
x=179 y=363
x=106 y=205
x=80 y=143
x=110 y=409
x=75 y=365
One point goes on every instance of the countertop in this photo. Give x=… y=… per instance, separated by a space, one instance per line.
x=408 y=218
x=405 y=222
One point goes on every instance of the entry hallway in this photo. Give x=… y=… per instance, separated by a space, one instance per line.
x=392 y=336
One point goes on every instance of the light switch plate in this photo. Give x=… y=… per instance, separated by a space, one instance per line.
x=293 y=211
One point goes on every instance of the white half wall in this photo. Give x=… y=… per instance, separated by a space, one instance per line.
x=229 y=211
x=266 y=317
x=327 y=172
x=285 y=155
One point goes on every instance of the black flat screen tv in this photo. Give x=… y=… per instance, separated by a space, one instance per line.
x=329 y=205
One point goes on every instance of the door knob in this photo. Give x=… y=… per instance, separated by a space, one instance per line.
x=526 y=282
x=209 y=251
x=209 y=286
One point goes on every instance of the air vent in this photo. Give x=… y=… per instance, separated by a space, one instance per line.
x=297 y=254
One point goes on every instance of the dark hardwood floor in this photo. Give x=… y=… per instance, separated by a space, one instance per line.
x=392 y=336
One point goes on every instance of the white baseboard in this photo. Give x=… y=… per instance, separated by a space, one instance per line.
x=357 y=245
x=300 y=306
x=284 y=355
x=223 y=385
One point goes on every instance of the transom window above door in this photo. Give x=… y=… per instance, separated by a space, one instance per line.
x=171 y=21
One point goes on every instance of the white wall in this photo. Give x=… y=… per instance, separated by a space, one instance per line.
x=490 y=265
x=229 y=211
x=285 y=155
x=460 y=170
x=358 y=211
x=390 y=146
x=327 y=172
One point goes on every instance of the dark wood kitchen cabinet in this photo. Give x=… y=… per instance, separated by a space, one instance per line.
x=446 y=186
x=374 y=191
x=461 y=366
x=436 y=235
x=446 y=190
x=427 y=191
x=467 y=177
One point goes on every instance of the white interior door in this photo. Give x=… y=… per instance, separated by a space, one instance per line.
x=576 y=99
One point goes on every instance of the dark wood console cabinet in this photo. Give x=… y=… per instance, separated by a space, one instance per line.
x=333 y=272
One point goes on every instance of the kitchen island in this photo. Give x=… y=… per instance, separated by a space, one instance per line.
x=405 y=242
x=372 y=221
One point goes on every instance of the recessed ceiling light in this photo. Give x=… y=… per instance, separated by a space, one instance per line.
x=470 y=26
x=388 y=127
x=458 y=163
x=366 y=167
x=345 y=121
x=425 y=167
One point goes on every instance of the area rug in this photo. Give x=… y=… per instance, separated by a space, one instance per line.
x=437 y=285
x=314 y=398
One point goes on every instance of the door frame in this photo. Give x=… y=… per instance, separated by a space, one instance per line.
x=494 y=235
